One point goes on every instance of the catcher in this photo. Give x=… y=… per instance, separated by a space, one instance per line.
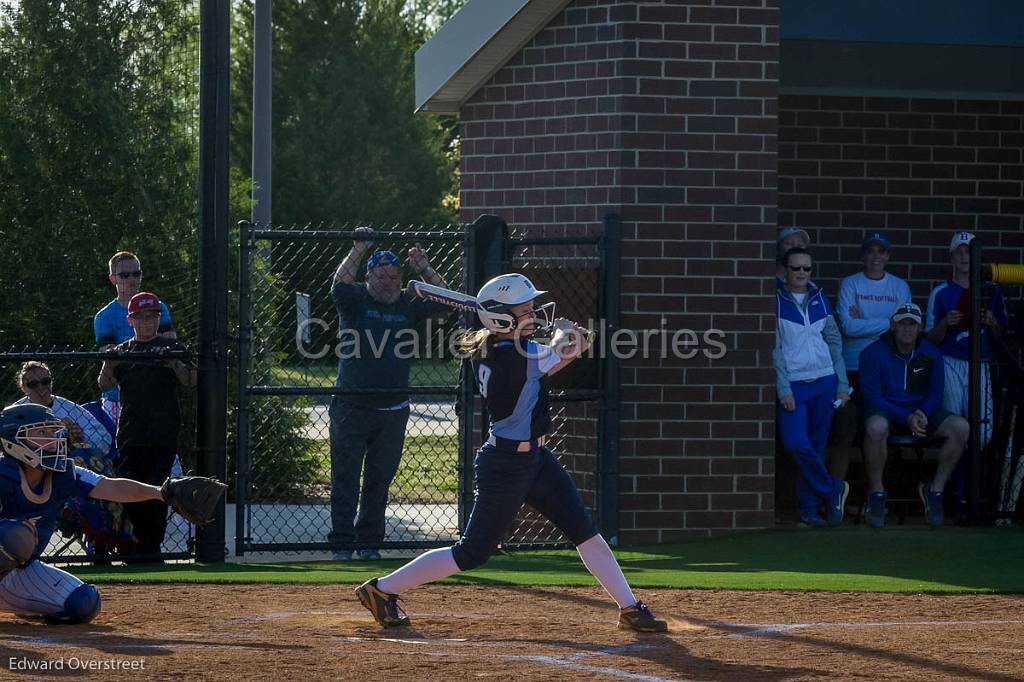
x=513 y=466
x=36 y=481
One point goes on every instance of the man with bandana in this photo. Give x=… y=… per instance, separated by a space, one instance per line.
x=377 y=322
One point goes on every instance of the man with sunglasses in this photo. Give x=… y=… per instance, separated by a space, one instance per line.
x=110 y=325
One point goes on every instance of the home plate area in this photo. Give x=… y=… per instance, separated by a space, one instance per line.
x=279 y=632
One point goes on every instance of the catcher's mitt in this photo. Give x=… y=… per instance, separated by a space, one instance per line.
x=193 y=497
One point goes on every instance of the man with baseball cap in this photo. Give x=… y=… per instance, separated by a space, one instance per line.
x=867 y=300
x=901 y=378
x=788 y=238
x=948 y=326
x=147 y=430
x=370 y=413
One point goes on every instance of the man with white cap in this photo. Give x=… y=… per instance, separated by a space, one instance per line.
x=867 y=300
x=901 y=379
x=949 y=328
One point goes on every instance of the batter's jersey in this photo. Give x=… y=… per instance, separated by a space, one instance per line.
x=19 y=501
x=514 y=384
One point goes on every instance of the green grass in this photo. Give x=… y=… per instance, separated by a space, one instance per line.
x=422 y=373
x=854 y=559
x=428 y=472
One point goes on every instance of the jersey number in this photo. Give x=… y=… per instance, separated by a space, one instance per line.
x=483 y=375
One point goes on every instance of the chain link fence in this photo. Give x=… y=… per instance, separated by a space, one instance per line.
x=290 y=345
x=293 y=345
x=119 y=158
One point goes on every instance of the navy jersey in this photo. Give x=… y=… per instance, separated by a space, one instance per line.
x=514 y=384
x=19 y=501
x=376 y=348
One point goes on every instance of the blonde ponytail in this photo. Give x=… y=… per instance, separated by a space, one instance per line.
x=475 y=342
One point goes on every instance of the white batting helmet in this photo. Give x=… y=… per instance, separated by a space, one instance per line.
x=501 y=294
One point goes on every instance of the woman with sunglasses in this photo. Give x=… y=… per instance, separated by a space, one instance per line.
x=810 y=383
x=36 y=381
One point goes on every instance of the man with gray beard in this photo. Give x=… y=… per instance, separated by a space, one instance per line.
x=368 y=429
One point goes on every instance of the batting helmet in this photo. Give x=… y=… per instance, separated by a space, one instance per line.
x=47 y=450
x=504 y=292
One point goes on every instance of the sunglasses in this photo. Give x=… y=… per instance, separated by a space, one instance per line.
x=134 y=274
x=36 y=383
x=800 y=268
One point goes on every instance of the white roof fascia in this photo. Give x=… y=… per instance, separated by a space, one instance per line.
x=477 y=41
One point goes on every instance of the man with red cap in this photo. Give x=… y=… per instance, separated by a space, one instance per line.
x=147 y=431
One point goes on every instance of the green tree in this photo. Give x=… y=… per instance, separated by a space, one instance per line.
x=347 y=146
x=97 y=153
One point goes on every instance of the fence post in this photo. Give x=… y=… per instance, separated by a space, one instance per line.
x=243 y=475
x=975 y=398
x=211 y=407
x=608 y=438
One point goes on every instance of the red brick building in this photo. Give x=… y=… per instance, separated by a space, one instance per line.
x=668 y=114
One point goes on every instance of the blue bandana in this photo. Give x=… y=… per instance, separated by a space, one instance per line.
x=380 y=258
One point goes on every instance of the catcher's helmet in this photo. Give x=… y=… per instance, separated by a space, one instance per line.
x=17 y=420
x=503 y=293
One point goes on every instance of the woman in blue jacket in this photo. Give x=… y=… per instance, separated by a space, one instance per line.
x=810 y=383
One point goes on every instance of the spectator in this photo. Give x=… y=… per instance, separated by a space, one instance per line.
x=789 y=238
x=949 y=327
x=147 y=432
x=810 y=383
x=110 y=324
x=901 y=377
x=36 y=381
x=368 y=430
x=867 y=300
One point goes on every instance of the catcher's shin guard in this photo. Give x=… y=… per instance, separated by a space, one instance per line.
x=383 y=606
x=639 y=618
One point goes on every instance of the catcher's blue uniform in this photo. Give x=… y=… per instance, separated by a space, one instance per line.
x=37 y=587
x=513 y=467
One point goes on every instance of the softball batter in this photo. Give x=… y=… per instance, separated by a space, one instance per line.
x=513 y=466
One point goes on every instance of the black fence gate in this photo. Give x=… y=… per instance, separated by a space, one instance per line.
x=289 y=347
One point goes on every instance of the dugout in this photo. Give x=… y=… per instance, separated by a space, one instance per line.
x=704 y=126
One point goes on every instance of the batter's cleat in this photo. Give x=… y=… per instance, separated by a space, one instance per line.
x=639 y=618
x=367 y=554
x=383 y=606
x=342 y=555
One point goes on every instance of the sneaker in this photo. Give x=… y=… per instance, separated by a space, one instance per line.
x=876 y=510
x=367 y=555
x=932 y=504
x=383 y=606
x=342 y=555
x=639 y=618
x=837 y=504
x=816 y=521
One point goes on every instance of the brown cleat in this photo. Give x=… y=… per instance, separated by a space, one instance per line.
x=383 y=606
x=640 y=619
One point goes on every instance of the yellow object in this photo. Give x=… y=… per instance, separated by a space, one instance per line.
x=1003 y=273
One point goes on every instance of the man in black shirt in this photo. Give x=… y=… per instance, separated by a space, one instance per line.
x=368 y=429
x=147 y=431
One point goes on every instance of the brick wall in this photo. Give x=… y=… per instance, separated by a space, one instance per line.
x=916 y=168
x=665 y=113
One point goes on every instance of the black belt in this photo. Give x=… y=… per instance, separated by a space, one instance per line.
x=517 y=445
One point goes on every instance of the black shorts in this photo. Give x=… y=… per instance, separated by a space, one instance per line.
x=935 y=420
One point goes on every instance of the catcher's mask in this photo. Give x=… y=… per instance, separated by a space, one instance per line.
x=46 y=449
x=504 y=292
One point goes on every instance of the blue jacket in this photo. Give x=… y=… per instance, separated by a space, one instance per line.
x=896 y=385
x=808 y=344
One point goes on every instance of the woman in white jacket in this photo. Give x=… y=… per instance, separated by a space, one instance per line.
x=36 y=382
x=810 y=384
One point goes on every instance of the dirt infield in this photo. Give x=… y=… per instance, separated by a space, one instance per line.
x=285 y=632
